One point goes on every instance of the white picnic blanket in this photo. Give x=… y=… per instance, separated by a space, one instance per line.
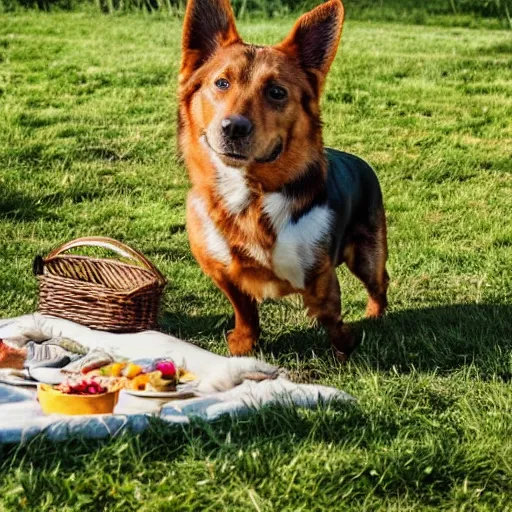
x=232 y=386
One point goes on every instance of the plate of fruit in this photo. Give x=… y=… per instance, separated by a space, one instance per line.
x=161 y=379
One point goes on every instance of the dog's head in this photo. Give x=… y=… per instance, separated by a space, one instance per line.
x=251 y=106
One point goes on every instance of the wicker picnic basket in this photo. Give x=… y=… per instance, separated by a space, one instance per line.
x=104 y=294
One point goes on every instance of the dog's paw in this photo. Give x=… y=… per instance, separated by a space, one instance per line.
x=343 y=341
x=241 y=342
x=376 y=307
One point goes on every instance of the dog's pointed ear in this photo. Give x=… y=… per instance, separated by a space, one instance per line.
x=208 y=25
x=314 y=40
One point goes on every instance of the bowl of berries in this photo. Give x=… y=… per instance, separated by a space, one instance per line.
x=78 y=396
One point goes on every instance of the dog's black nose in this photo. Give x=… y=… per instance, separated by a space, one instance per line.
x=236 y=127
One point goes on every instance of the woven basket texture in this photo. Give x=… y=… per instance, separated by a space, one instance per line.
x=101 y=293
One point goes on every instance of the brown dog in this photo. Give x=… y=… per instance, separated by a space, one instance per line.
x=271 y=211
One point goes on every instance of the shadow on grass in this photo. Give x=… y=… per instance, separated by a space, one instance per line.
x=442 y=338
x=15 y=205
x=18 y=206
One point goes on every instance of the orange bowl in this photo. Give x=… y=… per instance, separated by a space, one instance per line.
x=53 y=401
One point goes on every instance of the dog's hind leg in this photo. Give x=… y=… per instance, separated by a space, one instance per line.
x=365 y=255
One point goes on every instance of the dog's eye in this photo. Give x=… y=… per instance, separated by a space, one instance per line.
x=222 y=84
x=276 y=93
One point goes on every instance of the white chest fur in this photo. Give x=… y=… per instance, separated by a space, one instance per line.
x=297 y=243
x=216 y=245
x=232 y=187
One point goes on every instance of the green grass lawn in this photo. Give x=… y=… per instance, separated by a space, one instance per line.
x=87 y=146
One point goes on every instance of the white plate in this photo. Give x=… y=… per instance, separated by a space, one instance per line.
x=182 y=393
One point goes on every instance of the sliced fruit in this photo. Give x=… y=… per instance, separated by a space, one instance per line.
x=132 y=370
x=139 y=383
x=186 y=376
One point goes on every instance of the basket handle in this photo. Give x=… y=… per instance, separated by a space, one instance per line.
x=112 y=245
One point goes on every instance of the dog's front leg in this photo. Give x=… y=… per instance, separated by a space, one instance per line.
x=322 y=299
x=243 y=338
